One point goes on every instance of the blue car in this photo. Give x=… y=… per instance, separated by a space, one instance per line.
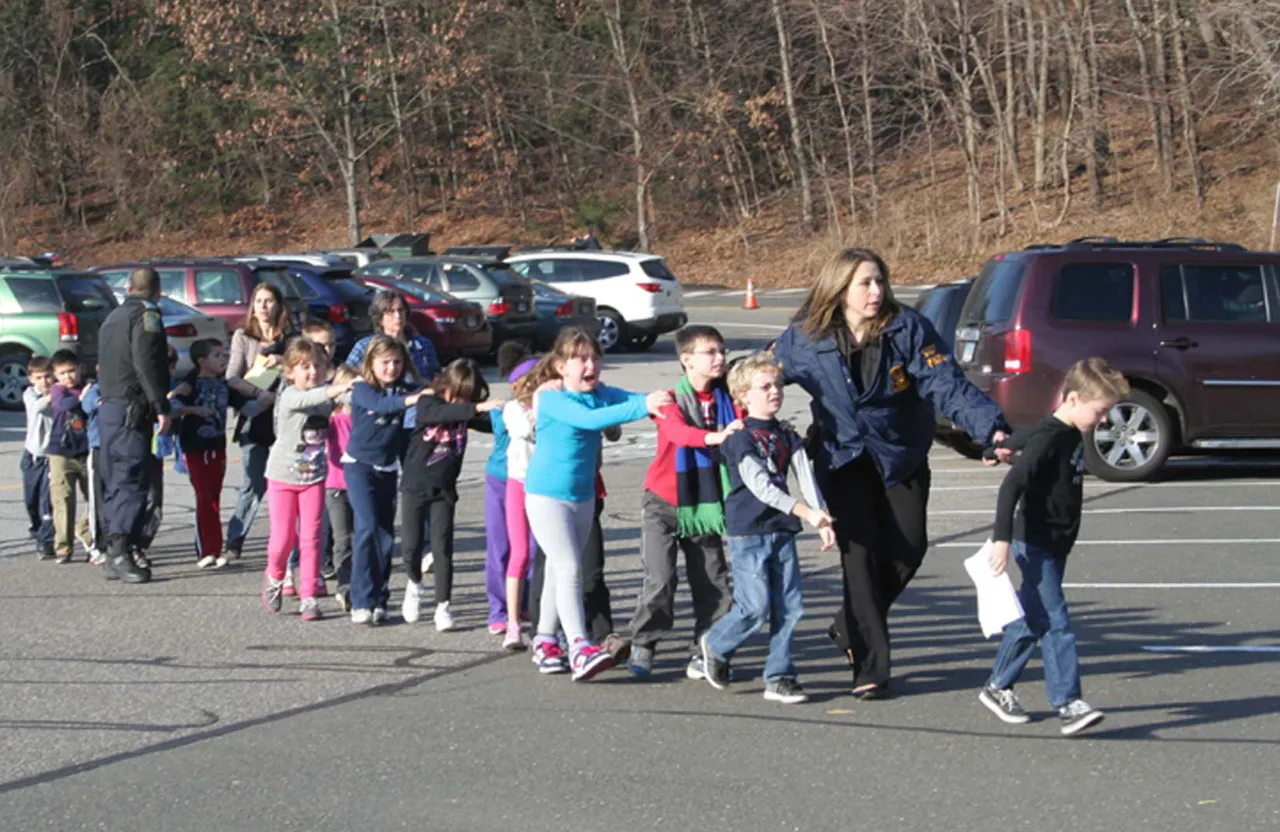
x=333 y=295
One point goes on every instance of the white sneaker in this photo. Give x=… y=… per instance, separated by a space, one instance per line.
x=220 y=562
x=444 y=618
x=428 y=563
x=361 y=617
x=206 y=561
x=97 y=558
x=411 y=608
x=379 y=615
x=514 y=639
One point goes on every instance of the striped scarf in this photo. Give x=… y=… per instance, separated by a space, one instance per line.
x=701 y=479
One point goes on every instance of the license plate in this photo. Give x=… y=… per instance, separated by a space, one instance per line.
x=966 y=351
x=471 y=321
x=522 y=307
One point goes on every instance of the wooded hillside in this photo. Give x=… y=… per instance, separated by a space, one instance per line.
x=736 y=135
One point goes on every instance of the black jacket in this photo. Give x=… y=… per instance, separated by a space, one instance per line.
x=133 y=356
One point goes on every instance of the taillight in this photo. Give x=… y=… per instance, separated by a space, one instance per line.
x=1017 y=351
x=565 y=310
x=651 y=288
x=499 y=308
x=180 y=331
x=338 y=313
x=68 y=327
x=441 y=316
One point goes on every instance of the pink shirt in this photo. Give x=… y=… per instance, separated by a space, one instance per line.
x=339 y=430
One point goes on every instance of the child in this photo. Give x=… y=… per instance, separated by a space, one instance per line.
x=202 y=432
x=68 y=457
x=296 y=471
x=1045 y=489
x=511 y=354
x=337 y=506
x=761 y=521
x=321 y=334
x=35 y=462
x=560 y=493
x=683 y=504
x=90 y=401
x=378 y=402
x=429 y=487
x=517 y=419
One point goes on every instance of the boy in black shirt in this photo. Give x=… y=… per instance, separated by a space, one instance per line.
x=1046 y=482
x=761 y=523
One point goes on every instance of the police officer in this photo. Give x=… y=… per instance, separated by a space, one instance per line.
x=133 y=376
x=875 y=371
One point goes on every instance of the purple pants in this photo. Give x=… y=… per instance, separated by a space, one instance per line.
x=497 y=550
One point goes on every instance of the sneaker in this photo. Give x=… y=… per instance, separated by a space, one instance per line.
x=549 y=658
x=86 y=543
x=695 y=669
x=206 y=562
x=1078 y=715
x=290 y=583
x=343 y=597
x=97 y=557
x=322 y=591
x=715 y=671
x=329 y=572
x=589 y=661
x=271 y=592
x=231 y=553
x=515 y=639
x=411 y=607
x=1004 y=704
x=428 y=563
x=616 y=646
x=220 y=562
x=310 y=609
x=379 y=615
x=361 y=617
x=444 y=618
x=497 y=628
x=641 y=662
x=784 y=690
x=46 y=554
x=140 y=558
x=64 y=557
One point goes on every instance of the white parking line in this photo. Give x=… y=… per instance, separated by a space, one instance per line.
x=1210 y=648
x=1143 y=510
x=1170 y=541
x=1126 y=486
x=769 y=327
x=1263 y=585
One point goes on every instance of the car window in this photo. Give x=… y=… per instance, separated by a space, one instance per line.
x=81 y=293
x=460 y=279
x=118 y=280
x=658 y=269
x=601 y=269
x=32 y=294
x=305 y=290
x=521 y=269
x=1224 y=294
x=385 y=270
x=288 y=285
x=1096 y=292
x=171 y=308
x=349 y=289
x=219 y=286
x=995 y=292
x=502 y=274
x=173 y=282
x=418 y=271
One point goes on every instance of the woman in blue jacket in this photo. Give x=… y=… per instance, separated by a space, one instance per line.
x=875 y=371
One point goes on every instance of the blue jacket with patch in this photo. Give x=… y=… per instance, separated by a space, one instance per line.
x=893 y=419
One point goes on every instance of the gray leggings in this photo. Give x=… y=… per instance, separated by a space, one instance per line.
x=561 y=529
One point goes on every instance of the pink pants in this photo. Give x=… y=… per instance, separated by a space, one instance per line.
x=297 y=517
x=517 y=530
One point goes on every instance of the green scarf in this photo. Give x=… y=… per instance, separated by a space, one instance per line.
x=702 y=481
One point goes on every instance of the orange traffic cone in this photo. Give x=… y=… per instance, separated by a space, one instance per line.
x=749 y=302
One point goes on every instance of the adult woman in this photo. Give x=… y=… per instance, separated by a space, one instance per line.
x=390 y=316
x=266 y=328
x=876 y=371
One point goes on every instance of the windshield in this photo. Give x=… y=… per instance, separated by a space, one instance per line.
x=995 y=292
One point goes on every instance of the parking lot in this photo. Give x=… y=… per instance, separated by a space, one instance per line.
x=182 y=704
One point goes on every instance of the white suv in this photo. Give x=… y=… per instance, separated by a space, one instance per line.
x=637 y=297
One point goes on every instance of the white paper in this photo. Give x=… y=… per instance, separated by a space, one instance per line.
x=998 y=604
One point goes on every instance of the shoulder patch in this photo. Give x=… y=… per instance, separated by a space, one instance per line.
x=151 y=321
x=932 y=358
x=898 y=377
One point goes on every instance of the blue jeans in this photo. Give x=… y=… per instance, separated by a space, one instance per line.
x=373 y=503
x=35 y=494
x=252 y=488
x=766 y=587
x=1047 y=622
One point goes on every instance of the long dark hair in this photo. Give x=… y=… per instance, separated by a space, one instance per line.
x=281 y=322
x=462 y=380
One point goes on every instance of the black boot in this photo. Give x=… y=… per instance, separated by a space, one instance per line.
x=120 y=564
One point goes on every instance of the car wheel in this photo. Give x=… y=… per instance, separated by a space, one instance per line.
x=13 y=378
x=610 y=337
x=642 y=343
x=1134 y=442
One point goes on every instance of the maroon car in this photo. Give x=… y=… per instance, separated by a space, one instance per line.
x=1193 y=325
x=456 y=327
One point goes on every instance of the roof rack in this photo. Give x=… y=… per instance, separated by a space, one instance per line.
x=489 y=252
x=1102 y=242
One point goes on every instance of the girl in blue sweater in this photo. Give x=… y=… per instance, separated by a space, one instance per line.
x=560 y=490
x=371 y=463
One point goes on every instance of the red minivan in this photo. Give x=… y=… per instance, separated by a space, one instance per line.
x=1194 y=326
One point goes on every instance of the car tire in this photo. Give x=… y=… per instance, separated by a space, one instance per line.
x=1134 y=445
x=642 y=343
x=612 y=337
x=13 y=377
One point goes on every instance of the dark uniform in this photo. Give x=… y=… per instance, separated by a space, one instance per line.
x=133 y=375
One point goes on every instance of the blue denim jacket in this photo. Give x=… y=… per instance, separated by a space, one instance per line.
x=893 y=419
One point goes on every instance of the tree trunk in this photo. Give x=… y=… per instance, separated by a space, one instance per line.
x=347 y=166
x=868 y=121
x=1011 y=94
x=1189 y=136
x=613 y=20
x=397 y=114
x=1158 y=129
x=797 y=143
x=847 y=127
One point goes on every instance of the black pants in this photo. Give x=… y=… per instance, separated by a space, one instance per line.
x=341 y=521
x=595 y=594
x=883 y=538
x=438 y=511
x=127 y=470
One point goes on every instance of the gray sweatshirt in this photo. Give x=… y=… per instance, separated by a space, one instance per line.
x=39 y=421
x=302 y=430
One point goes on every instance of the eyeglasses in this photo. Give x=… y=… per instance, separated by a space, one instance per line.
x=394 y=310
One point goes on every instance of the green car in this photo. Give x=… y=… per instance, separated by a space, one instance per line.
x=43 y=311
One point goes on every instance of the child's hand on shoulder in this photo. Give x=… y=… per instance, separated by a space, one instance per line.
x=412 y=398
x=656 y=401
x=490 y=404
x=180 y=392
x=998 y=557
x=718 y=437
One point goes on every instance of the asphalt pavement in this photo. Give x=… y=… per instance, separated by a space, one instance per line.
x=184 y=705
